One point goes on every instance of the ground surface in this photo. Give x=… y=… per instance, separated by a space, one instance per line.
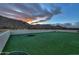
x=44 y=43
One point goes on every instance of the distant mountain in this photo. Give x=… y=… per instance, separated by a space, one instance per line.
x=7 y=23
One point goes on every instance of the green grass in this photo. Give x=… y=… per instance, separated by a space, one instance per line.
x=57 y=43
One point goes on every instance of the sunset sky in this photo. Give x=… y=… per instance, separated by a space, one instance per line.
x=41 y=13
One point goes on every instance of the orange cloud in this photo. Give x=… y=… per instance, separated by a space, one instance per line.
x=27 y=20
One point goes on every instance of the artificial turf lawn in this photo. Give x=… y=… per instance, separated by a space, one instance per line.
x=45 y=43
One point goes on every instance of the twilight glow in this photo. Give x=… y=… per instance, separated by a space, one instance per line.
x=34 y=13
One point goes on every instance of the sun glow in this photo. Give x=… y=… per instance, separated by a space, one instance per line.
x=27 y=20
x=34 y=21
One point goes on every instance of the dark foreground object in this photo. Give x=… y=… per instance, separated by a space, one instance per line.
x=14 y=53
x=30 y=35
x=17 y=53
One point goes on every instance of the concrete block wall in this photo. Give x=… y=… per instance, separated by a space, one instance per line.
x=13 y=32
x=3 y=39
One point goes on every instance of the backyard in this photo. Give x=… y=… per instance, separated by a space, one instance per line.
x=49 y=43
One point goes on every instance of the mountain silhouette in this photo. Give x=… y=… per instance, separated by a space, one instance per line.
x=8 y=23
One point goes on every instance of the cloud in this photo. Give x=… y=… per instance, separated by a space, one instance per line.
x=40 y=12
